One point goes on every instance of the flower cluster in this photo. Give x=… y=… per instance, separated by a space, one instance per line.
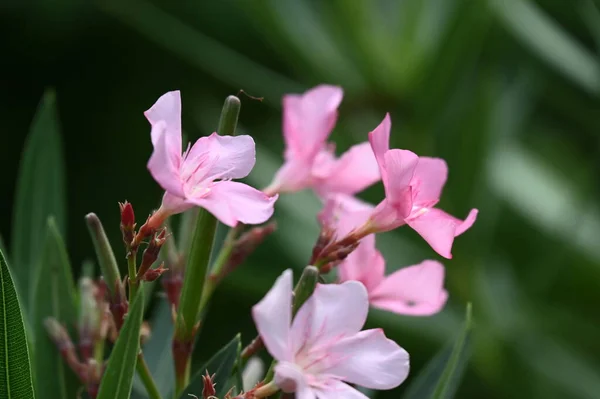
x=313 y=331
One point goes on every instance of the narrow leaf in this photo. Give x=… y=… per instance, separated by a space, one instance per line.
x=15 y=367
x=118 y=376
x=441 y=377
x=54 y=296
x=221 y=364
x=39 y=194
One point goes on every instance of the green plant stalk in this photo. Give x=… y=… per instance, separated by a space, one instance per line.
x=106 y=256
x=146 y=377
x=131 y=268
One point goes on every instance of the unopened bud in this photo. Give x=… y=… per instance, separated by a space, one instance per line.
x=153 y=274
x=151 y=253
x=245 y=245
x=58 y=334
x=305 y=288
x=325 y=238
x=127 y=223
x=172 y=283
x=145 y=332
x=208 y=391
x=119 y=305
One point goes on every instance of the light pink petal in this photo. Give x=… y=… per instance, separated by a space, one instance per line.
x=336 y=389
x=164 y=162
x=174 y=204
x=415 y=290
x=364 y=264
x=356 y=170
x=371 y=360
x=344 y=212
x=386 y=216
x=168 y=110
x=232 y=202
x=273 y=315
x=291 y=379
x=294 y=175
x=439 y=228
x=380 y=140
x=400 y=167
x=308 y=119
x=332 y=311
x=428 y=181
x=219 y=157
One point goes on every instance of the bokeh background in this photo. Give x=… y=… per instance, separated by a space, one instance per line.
x=507 y=91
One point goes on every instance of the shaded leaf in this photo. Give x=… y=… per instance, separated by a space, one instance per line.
x=118 y=376
x=221 y=364
x=15 y=367
x=39 y=194
x=53 y=296
x=441 y=377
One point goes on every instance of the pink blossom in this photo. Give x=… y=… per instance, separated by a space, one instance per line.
x=413 y=186
x=416 y=290
x=308 y=120
x=201 y=175
x=323 y=346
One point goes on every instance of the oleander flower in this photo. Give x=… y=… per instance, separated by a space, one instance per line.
x=309 y=161
x=201 y=176
x=322 y=348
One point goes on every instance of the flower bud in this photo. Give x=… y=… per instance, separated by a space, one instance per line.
x=208 y=391
x=119 y=305
x=127 y=223
x=151 y=253
x=153 y=274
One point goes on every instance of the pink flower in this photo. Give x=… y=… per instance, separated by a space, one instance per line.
x=413 y=186
x=323 y=346
x=308 y=120
x=201 y=176
x=414 y=290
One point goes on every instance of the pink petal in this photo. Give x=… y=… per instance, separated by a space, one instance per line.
x=308 y=119
x=174 y=204
x=415 y=290
x=336 y=389
x=219 y=157
x=400 y=167
x=428 y=181
x=344 y=212
x=294 y=175
x=273 y=315
x=380 y=140
x=332 y=311
x=291 y=379
x=356 y=170
x=364 y=264
x=386 y=216
x=167 y=109
x=232 y=202
x=164 y=162
x=370 y=360
x=439 y=228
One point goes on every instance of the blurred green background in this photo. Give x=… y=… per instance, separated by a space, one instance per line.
x=507 y=91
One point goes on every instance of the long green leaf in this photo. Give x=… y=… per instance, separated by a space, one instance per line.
x=53 y=296
x=15 y=367
x=39 y=194
x=118 y=377
x=441 y=377
x=221 y=364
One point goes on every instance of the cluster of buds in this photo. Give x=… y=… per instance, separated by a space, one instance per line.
x=88 y=370
x=150 y=256
x=328 y=252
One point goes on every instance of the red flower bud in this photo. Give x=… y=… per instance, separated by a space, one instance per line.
x=127 y=223
x=153 y=274
x=151 y=253
x=208 y=391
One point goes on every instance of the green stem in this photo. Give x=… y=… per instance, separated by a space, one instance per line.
x=133 y=283
x=146 y=377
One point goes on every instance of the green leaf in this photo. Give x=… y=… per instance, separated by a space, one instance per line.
x=157 y=352
x=441 y=377
x=15 y=367
x=221 y=364
x=118 y=376
x=54 y=296
x=39 y=194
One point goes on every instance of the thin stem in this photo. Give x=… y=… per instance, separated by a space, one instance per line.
x=133 y=283
x=146 y=377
